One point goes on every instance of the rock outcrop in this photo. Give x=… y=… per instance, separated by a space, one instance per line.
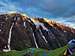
x=18 y=32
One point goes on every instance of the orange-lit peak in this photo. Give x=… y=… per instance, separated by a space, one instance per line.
x=34 y=20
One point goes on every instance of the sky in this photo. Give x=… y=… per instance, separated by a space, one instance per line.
x=60 y=10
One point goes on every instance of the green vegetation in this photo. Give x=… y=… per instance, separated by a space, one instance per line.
x=35 y=52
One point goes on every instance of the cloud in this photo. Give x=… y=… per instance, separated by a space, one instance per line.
x=8 y=5
x=61 y=10
x=57 y=8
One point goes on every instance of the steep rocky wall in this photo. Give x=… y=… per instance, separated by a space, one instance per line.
x=32 y=33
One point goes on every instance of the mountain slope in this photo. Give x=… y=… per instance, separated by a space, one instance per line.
x=18 y=32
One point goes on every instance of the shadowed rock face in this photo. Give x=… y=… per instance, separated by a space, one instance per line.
x=32 y=33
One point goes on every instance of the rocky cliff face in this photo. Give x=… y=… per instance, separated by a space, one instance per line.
x=18 y=32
